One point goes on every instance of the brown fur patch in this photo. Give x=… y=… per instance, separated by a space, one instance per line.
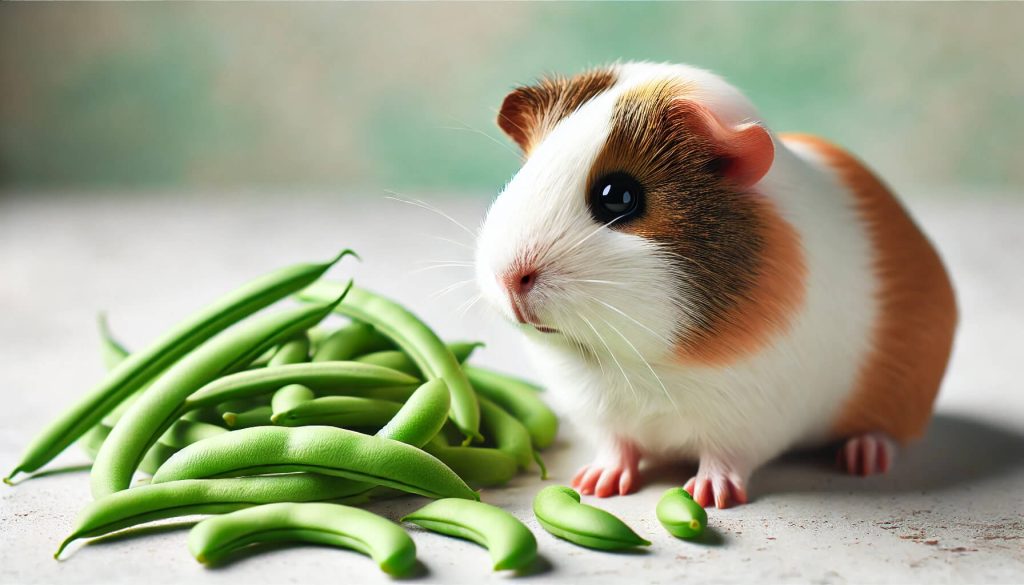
x=743 y=265
x=913 y=336
x=529 y=113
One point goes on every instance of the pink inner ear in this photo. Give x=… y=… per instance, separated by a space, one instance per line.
x=747 y=151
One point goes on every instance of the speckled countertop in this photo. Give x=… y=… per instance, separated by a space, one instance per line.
x=952 y=510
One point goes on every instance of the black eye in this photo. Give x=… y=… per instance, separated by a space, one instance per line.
x=616 y=195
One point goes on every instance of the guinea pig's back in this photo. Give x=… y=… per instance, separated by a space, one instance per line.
x=915 y=316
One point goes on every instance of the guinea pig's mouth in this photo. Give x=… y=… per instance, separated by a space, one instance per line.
x=525 y=316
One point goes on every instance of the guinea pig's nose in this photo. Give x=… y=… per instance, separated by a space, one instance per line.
x=519 y=281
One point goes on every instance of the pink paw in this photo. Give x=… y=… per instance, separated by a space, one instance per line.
x=866 y=454
x=719 y=488
x=614 y=473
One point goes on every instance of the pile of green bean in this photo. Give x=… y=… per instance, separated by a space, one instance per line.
x=278 y=429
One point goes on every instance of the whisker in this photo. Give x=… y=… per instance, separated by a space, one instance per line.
x=615 y=359
x=439 y=266
x=646 y=363
x=656 y=335
x=423 y=205
x=464 y=308
x=591 y=234
x=450 y=288
x=467 y=128
x=456 y=242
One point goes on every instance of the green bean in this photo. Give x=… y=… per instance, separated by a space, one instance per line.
x=477 y=466
x=350 y=378
x=159 y=406
x=237 y=405
x=327 y=450
x=92 y=440
x=559 y=511
x=155 y=457
x=141 y=366
x=339 y=411
x=254 y=417
x=397 y=360
x=680 y=514
x=421 y=417
x=510 y=543
x=185 y=432
x=288 y=397
x=152 y=502
x=520 y=399
x=293 y=352
x=508 y=434
x=110 y=348
x=414 y=338
x=349 y=341
x=333 y=524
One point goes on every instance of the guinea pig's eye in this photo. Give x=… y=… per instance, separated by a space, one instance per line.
x=616 y=195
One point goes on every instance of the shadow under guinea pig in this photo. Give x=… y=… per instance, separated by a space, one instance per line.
x=956 y=450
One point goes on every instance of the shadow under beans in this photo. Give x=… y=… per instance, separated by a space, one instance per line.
x=268 y=549
x=957 y=450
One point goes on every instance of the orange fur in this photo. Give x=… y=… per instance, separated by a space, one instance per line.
x=913 y=335
x=777 y=293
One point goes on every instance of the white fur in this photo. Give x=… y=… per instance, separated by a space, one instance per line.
x=620 y=379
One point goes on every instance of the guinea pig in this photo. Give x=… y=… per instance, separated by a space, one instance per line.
x=692 y=286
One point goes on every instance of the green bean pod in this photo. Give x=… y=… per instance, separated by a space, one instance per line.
x=293 y=351
x=349 y=378
x=477 y=466
x=253 y=417
x=397 y=360
x=152 y=502
x=416 y=339
x=520 y=399
x=111 y=350
x=421 y=417
x=159 y=406
x=511 y=544
x=326 y=450
x=155 y=456
x=508 y=434
x=350 y=341
x=141 y=366
x=288 y=397
x=680 y=514
x=559 y=511
x=339 y=411
x=185 y=432
x=382 y=540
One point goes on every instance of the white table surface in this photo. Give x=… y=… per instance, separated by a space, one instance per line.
x=952 y=510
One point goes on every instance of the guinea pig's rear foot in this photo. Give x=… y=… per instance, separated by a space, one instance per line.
x=615 y=471
x=718 y=483
x=867 y=454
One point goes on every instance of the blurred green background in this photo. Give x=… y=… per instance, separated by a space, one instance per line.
x=403 y=96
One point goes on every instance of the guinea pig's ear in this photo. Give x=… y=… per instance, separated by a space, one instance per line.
x=744 y=153
x=519 y=114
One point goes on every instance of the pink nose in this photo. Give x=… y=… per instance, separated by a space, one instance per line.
x=520 y=281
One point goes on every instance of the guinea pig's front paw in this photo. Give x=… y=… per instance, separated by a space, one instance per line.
x=717 y=483
x=616 y=471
